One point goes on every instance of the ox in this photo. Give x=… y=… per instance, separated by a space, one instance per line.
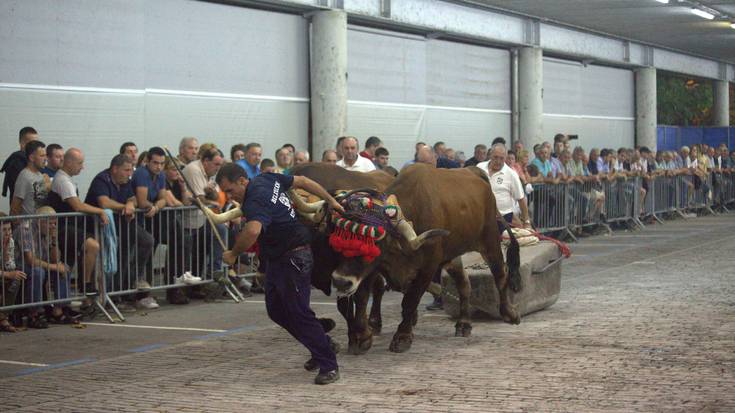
x=454 y=212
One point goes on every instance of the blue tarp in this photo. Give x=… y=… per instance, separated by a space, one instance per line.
x=674 y=137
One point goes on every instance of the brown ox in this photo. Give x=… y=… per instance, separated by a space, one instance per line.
x=455 y=212
x=335 y=178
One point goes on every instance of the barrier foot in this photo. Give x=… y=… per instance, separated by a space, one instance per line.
x=659 y=220
x=709 y=209
x=724 y=209
x=638 y=222
x=232 y=295
x=115 y=309
x=571 y=234
x=607 y=227
x=681 y=213
x=101 y=307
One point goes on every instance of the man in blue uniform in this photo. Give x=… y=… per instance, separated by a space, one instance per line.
x=284 y=243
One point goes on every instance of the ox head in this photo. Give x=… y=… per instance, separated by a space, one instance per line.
x=371 y=229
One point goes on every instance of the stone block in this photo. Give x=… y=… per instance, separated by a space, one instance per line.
x=540 y=277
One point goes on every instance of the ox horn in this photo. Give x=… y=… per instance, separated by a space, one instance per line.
x=234 y=213
x=416 y=241
x=312 y=211
x=303 y=206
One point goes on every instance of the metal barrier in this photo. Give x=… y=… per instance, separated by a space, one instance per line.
x=565 y=207
x=46 y=261
x=48 y=247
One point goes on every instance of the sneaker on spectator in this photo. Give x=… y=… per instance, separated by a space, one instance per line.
x=187 y=278
x=148 y=303
x=142 y=285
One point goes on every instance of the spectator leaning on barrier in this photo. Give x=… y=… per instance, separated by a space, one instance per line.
x=200 y=175
x=329 y=156
x=382 y=157
x=130 y=150
x=54 y=159
x=149 y=185
x=42 y=262
x=237 y=152
x=480 y=155
x=111 y=189
x=76 y=238
x=301 y=157
x=251 y=163
x=31 y=186
x=371 y=144
x=284 y=161
x=188 y=149
x=17 y=160
x=352 y=161
x=10 y=276
x=284 y=242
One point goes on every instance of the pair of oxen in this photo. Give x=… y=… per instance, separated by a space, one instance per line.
x=452 y=211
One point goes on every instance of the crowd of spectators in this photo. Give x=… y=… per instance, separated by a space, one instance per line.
x=140 y=191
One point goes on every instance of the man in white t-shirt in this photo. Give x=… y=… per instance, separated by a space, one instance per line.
x=351 y=159
x=506 y=184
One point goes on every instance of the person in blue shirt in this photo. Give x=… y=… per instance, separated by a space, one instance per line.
x=54 y=159
x=111 y=189
x=285 y=244
x=251 y=163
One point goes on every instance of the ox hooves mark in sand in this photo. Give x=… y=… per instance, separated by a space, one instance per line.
x=462 y=329
x=401 y=343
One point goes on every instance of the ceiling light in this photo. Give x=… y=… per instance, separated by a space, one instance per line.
x=732 y=25
x=703 y=14
x=663 y=1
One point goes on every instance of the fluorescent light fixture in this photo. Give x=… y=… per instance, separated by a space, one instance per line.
x=663 y=1
x=703 y=14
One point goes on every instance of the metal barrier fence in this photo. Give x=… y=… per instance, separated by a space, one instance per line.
x=564 y=207
x=149 y=253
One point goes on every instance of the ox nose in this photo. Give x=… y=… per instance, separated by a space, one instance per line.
x=342 y=284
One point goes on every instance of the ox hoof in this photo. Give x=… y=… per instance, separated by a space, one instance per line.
x=462 y=329
x=510 y=315
x=360 y=344
x=401 y=343
x=376 y=324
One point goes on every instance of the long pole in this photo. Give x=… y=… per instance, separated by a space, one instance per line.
x=197 y=201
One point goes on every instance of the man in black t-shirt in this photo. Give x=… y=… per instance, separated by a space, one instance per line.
x=284 y=243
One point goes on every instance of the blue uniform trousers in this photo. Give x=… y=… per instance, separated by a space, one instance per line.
x=287 y=294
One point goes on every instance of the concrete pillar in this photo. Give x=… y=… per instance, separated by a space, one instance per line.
x=645 y=107
x=328 y=79
x=530 y=95
x=722 y=102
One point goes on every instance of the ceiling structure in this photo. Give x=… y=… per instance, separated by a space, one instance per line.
x=669 y=25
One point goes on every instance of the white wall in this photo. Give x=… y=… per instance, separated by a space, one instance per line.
x=595 y=102
x=406 y=89
x=94 y=74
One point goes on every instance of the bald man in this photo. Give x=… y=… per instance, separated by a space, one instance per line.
x=75 y=233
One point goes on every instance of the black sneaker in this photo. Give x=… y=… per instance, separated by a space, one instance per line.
x=311 y=365
x=327 y=324
x=328 y=377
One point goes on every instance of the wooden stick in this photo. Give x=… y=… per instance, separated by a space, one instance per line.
x=196 y=198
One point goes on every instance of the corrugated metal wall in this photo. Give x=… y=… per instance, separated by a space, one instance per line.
x=406 y=89
x=595 y=102
x=95 y=74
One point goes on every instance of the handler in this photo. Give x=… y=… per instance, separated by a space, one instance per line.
x=284 y=243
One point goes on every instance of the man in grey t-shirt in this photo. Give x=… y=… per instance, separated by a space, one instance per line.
x=31 y=187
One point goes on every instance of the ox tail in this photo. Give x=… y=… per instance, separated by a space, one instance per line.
x=512 y=258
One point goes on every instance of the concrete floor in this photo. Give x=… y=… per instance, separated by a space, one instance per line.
x=645 y=322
